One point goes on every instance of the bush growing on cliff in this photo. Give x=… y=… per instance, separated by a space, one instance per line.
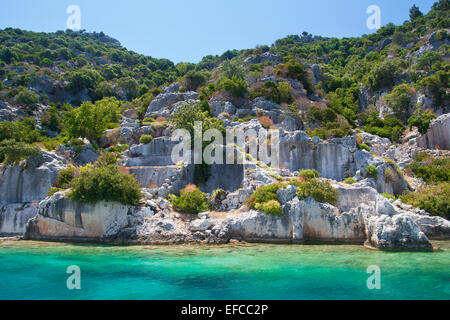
x=321 y=191
x=308 y=174
x=429 y=169
x=371 y=172
x=65 y=177
x=421 y=120
x=103 y=181
x=349 y=181
x=272 y=207
x=235 y=86
x=90 y=120
x=330 y=130
x=191 y=200
x=433 y=199
x=145 y=139
x=12 y=152
x=263 y=195
x=27 y=97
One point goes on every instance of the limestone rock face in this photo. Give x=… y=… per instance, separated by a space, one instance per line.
x=166 y=100
x=14 y=218
x=397 y=232
x=434 y=227
x=301 y=220
x=336 y=159
x=62 y=219
x=438 y=136
x=31 y=180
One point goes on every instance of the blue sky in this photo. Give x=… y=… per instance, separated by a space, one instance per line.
x=183 y=30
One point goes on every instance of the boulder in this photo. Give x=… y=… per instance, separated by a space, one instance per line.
x=62 y=219
x=30 y=180
x=14 y=217
x=438 y=135
x=397 y=232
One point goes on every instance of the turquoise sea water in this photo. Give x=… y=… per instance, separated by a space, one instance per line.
x=32 y=270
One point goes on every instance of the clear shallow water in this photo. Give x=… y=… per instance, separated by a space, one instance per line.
x=31 y=270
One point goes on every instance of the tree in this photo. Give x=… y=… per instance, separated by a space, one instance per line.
x=12 y=152
x=399 y=100
x=429 y=58
x=421 y=119
x=27 y=97
x=91 y=120
x=414 y=13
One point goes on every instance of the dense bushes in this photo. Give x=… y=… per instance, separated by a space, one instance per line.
x=191 y=200
x=263 y=199
x=145 y=139
x=422 y=120
x=12 y=152
x=308 y=174
x=389 y=127
x=431 y=170
x=383 y=74
x=65 y=177
x=26 y=97
x=269 y=90
x=321 y=191
x=433 y=199
x=235 y=86
x=103 y=181
x=90 y=120
x=335 y=129
x=371 y=172
x=399 y=100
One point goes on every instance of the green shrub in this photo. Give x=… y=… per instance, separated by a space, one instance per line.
x=332 y=130
x=421 y=120
x=389 y=196
x=371 y=172
x=363 y=146
x=433 y=199
x=235 y=86
x=90 y=120
x=12 y=152
x=399 y=100
x=272 y=207
x=65 y=177
x=389 y=127
x=431 y=170
x=105 y=182
x=321 y=191
x=27 y=97
x=119 y=148
x=315 y=113
x=263 y=195
x=191 y=200
x=194 y=79
x=145 y=139
x=349 y=181
x=52 y=191
x=383 y=74
x=308 y=174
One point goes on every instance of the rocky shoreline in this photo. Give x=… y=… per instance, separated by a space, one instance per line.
x=376 y=221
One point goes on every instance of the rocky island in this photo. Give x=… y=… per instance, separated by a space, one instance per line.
x=86 y=140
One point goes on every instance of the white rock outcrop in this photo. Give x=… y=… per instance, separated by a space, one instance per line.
x=438 y=135
x=62 y=219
